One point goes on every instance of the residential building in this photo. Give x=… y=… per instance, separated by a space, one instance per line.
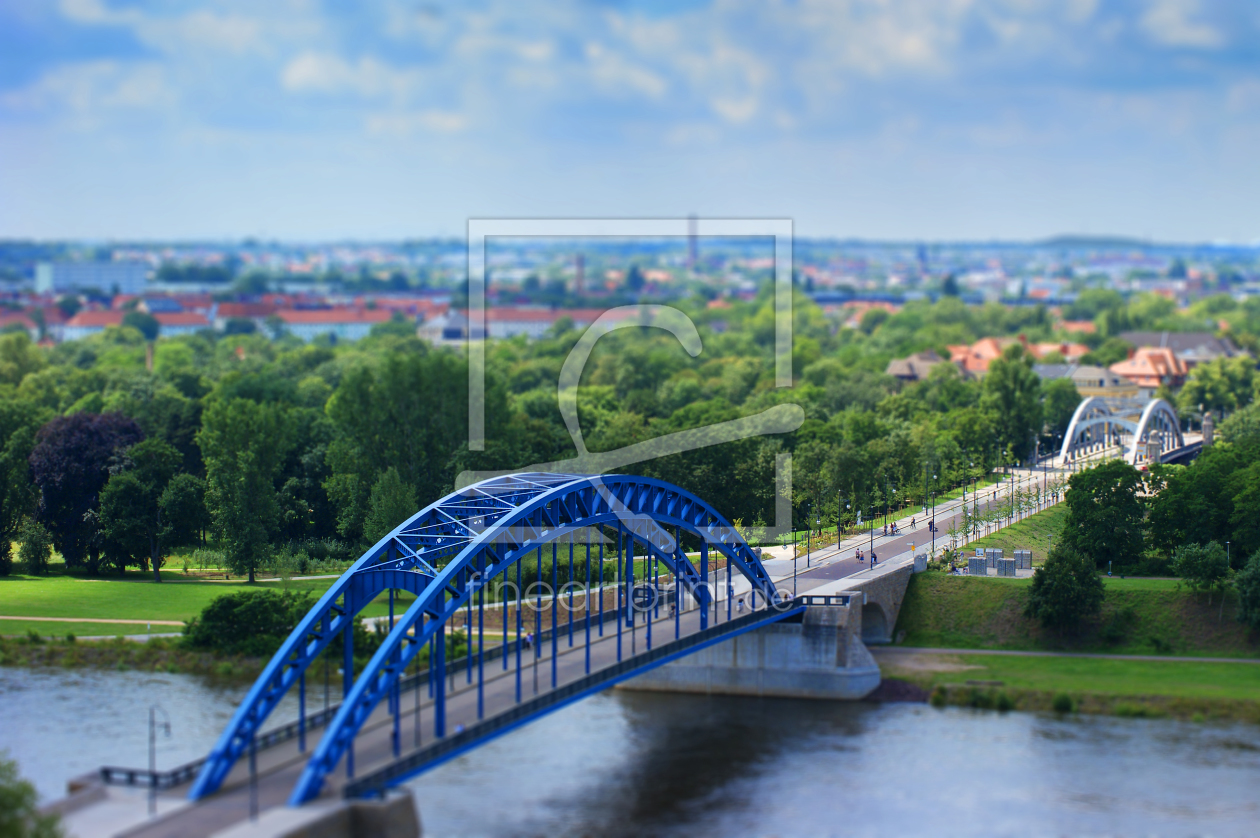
x=916 y=367
x=1150 y=367
x=11 y=319
x=256 y=312
x=1070 y=352
x=181 y=322
x=87 y=323
x=1096 y=381
x=103 y=277
x=1193 y=348
x=975 y=359
x=343 y=323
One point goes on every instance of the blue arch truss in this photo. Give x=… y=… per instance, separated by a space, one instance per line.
x=443 y=555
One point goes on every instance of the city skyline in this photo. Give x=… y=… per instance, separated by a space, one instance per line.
x=967 y=120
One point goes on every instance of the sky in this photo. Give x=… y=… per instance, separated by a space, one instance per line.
x=883 y=119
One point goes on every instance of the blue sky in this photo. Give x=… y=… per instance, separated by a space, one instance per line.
x=914 y=119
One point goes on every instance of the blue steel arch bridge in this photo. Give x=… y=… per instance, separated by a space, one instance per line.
x=459 y=559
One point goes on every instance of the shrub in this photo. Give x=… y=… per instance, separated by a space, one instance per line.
x=19 y=806
x=1062 y=703
x=36 y=548
x=1202 y=566
x=939 y=697
x=1065 y=590
x=247 y=622
x=1004 y=702
x=70 y=638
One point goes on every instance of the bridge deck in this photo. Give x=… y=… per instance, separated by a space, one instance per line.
x=279 y=767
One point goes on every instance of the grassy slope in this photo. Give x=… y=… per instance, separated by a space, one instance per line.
x=964 y=613
x=1033 y=533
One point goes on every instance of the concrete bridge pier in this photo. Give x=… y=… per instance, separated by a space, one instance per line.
x=820 y=655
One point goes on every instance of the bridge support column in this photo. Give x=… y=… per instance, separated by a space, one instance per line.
x=821 y=656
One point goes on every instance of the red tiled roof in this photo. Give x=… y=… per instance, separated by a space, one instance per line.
x=335 y=315
x=246 y=310
x=96 y=319
x=182 y=318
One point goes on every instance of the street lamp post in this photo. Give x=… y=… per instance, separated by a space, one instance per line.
x=153 y=726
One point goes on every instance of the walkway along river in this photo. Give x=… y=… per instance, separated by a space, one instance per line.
x=630 y=764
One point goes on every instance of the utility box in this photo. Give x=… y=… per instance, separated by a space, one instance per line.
x=977 y=567
x=1023 y=559
x=992 y=554
x=920 y=562
x=1005 y=567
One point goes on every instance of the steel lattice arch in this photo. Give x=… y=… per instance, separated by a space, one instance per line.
x=1100 y=422
x=444 y=555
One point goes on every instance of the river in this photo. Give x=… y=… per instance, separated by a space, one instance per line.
x=630 y=764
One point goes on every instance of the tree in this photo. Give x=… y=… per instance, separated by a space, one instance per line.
x=1223 y=384
x=634 y=279
x=1012 y=393
x=144 y=323
x=1065 y=590
x=131 y=512
x=1247 y=582
x=244 y=445
x=1061 y=400
x=36 y=548
x=70 y=465
x=1203 y=567
x=1104 y=513
x=19 y=806
x=950 y=286
x=184 y=516
x=18 y=357
x=390 y=503
x=20 y=419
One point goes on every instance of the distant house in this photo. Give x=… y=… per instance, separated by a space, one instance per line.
x=975 y=359
x=1070 y=352
x=87 y=323
x=1080 y=327
x=1150 y=367
x=344 y=323
x=11 y=319
x=181 y=322
x=256 y=312
x=121 y=277
x=916 y=367
x=1096 y=381
x=1193 y=348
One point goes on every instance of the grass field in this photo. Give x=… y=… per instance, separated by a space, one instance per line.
x=1139 y=616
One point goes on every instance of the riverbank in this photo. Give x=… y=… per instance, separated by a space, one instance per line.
x=158 y=654
x=1190 y=690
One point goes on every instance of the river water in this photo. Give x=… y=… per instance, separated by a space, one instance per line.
x=630 y=764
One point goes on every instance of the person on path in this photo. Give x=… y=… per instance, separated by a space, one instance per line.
x=874 y=558
x=911 y=523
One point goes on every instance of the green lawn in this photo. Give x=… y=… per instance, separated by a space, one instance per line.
x=1183 y=679
x=133 y=597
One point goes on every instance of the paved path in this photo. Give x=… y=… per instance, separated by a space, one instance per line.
x=915 y=650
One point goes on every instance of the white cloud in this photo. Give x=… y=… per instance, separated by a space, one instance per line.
x=407 y=124
x=1169 y=22
x=322 y=72
x=87 y=91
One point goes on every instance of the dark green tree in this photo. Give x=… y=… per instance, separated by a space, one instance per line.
x=131 y=511
x=183 y=506
x=247 y=622
x=1247 y=583
x=1202 y=567
x=244 y=445
x=1065 y=591
x=1061 y=400
x=144 y=323
x=1012 y=393
x=1105 y=513
x=391 y=502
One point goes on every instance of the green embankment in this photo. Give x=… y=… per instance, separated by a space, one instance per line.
x=1033 y=533
x=1139 y=616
